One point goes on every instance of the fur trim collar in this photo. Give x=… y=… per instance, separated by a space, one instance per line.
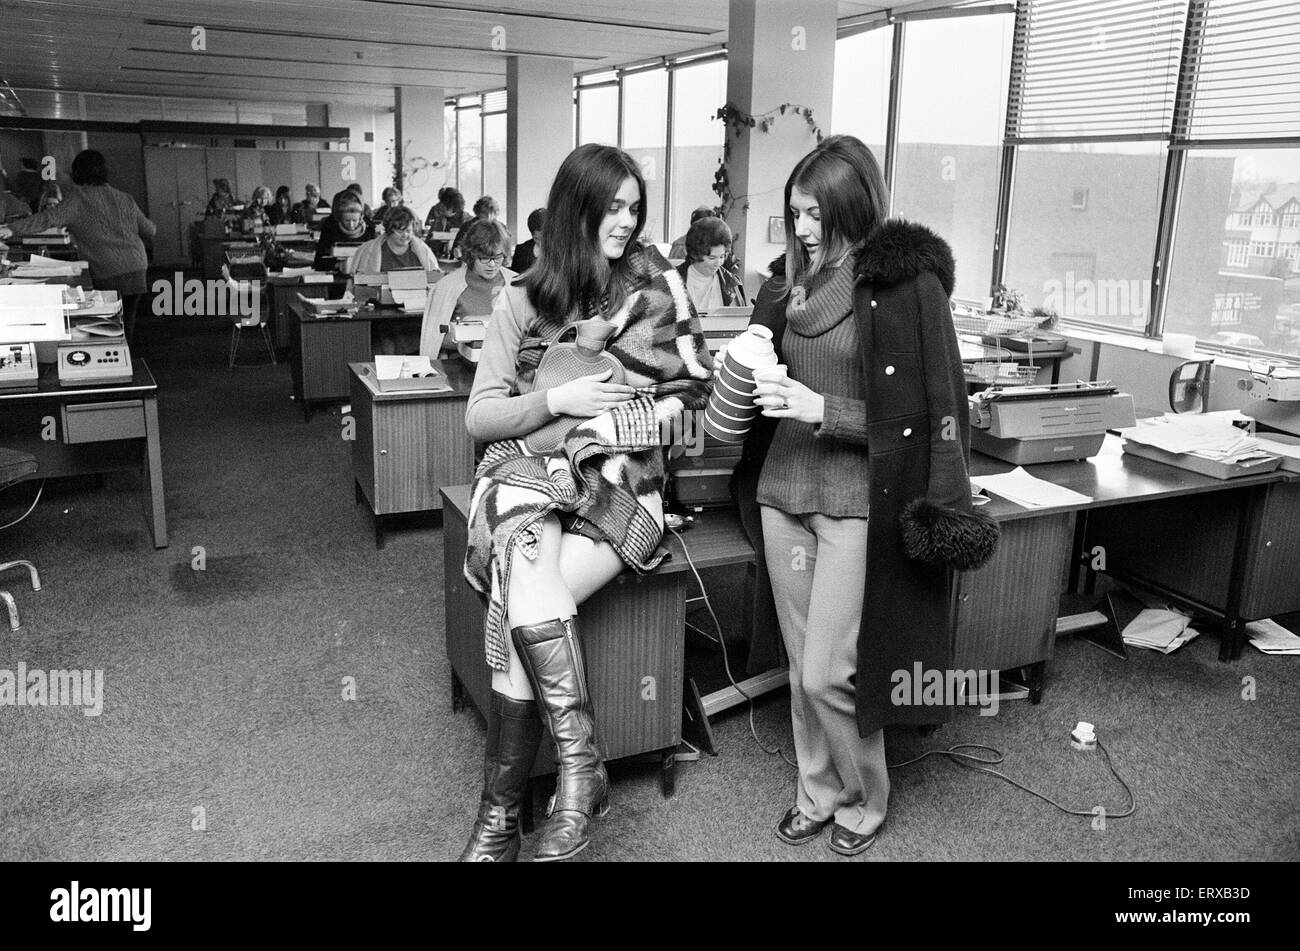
x=899 y=250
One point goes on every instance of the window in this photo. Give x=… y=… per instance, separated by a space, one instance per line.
x=1238 y=254
x=1117 y=234
x=469 y=151
x=860 y=98
x=1291 y=220
x=699 y=91
x=449 y=140
x=598 y=111
x=1248 y=289
x=494 y=160
x=950 y=135
x=645 y=138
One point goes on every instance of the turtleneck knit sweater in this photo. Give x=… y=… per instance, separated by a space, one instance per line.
x=822 y=469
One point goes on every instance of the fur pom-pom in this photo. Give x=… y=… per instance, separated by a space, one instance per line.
x=943 y=536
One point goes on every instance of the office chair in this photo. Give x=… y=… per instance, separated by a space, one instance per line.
x=253 y=321
x=15 y=467
x=1189 y=386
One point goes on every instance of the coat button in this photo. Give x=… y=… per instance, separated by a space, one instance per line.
x=889 y=371
x=907 y=431
x=873 y=303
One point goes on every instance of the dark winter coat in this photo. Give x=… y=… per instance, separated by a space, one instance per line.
x=922 y=525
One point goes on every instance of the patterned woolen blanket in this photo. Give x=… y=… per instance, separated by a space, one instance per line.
x=610 y=469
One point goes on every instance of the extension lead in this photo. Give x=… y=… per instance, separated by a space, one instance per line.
x=1084 y=737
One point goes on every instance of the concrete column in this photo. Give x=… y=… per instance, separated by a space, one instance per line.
x=539 y=133
x=778 y=51
x=419 y=152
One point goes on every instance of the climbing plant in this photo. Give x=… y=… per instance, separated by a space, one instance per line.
x=737 y=121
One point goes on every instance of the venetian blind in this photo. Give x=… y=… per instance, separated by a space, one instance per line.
x=1247 y=78
x=1084 y=68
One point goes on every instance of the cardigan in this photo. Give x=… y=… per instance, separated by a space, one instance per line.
x=442 y=305
x=368 y=258
x=109 y=229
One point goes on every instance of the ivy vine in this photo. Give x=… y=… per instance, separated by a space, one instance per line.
x=738 y=121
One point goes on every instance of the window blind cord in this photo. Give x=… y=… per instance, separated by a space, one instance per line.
x=726 y=662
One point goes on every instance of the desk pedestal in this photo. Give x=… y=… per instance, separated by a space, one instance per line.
x=633 y=635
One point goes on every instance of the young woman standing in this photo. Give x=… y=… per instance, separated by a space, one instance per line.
x=863 y=491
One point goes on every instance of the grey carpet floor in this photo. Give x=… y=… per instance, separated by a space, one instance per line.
x=224 y=690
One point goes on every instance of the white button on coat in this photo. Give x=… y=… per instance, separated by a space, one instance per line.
x=889 y=371
x=907 y=431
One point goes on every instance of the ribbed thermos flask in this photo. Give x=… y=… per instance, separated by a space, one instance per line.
x=731 y=410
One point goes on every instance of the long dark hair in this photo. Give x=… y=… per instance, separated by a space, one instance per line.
x=845 y=179
x=572 y=272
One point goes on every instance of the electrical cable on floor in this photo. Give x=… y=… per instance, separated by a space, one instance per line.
x=31 y=508
x=967 y=760
x=726 y=663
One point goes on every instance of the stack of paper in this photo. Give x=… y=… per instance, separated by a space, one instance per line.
x=1209 y=436
x=1272 y=638
x=1029 y=491
x=1159 y=630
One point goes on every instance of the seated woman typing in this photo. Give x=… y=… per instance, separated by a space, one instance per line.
x=398 y=248
x=553 y=520
x=708 y=242
x=346 y=223
x=472 y=292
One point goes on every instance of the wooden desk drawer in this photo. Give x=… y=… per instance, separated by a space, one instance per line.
x=100 y=422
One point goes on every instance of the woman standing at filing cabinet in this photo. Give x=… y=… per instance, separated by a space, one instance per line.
x=109 y=229
x=550 y=525
x=863 y=490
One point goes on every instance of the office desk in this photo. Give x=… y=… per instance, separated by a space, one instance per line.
x=409 y=444
x=284 y=292
x=93 y=429
x=322 y=348
x=1008 y=608
x=633 y=634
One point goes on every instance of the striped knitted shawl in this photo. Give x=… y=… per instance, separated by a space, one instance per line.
x=610 y=468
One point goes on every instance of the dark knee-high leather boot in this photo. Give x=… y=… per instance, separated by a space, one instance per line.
x=552 y=656
x=514 y=732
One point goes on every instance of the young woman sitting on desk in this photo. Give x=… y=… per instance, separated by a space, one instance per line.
x=345 y=224
x=568 y=492
x=472 y=292
x=862 y=484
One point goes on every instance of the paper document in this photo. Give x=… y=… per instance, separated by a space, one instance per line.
x=1159 y=630
x=41 y=260
x=1029 y=491
x=394 y=367
x=1272 y=638
x=1210 y=435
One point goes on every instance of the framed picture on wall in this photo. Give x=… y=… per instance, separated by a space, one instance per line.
x=776 y=230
